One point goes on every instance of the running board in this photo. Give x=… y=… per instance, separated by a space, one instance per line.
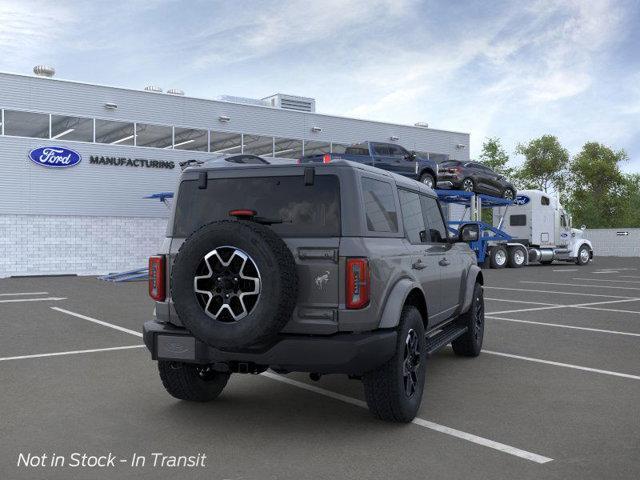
x=444 y=337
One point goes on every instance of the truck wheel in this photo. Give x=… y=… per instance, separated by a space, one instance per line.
x=508 y=194
x=498 y=257
x=394 y=390
x=468 y=185
x=195 y=383
x=470 y=344
x=234 y=284
x=428 y=180
x=583 y=255
x=517 y=257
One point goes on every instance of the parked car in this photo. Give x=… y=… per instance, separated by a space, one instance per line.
x=337 y=268
x=474 y=177
x=387 y=156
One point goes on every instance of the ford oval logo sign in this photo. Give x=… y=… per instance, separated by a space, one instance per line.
x=521 y=200
x=55 y=157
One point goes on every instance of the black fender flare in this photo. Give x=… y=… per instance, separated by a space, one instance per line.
x=395 y=302
x=474 y=275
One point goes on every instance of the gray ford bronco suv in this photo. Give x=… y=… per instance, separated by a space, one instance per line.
x=330 y=268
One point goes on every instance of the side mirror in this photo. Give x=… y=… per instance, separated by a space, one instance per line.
x=469 y=232
x=583 y=227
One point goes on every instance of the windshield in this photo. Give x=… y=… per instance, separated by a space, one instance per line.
x=304 y=210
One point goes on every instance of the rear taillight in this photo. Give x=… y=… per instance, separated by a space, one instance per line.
x=326 y=158
x=157 y=278
x=357 y=283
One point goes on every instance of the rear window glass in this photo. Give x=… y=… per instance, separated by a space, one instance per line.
x=305 y=210
x=450 y=163
x=380 y=206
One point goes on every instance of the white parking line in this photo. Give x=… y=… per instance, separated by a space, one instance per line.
x=565 y=365
x=577 y=305
x=603 y=280
x=566 y=269
x=519 y=301
x=608 y=310
x=45 y=299
x=559 y=293
x=579 y=285
x=573 y=327
x=23 y=293
x=72 y=352
x=418 y=421
x=99 y=322
x=628 y=276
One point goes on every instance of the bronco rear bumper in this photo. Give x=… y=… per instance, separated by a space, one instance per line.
x=349 y=353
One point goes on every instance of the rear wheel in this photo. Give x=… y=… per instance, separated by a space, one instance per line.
x=195 y=383
x=468 y=185
x=394 y=390
x=470 y=344
x=508 y=194
x=517 y=257
x=498 y=257
x=428 y=180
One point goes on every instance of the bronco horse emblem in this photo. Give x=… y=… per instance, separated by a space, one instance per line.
x=321 y=280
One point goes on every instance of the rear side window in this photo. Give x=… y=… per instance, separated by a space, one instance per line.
x=412 y=216
x=517 y=220
x=381 y=149
x=304 y=210
x=380 y=206
x=357 y=150
x=437 y=232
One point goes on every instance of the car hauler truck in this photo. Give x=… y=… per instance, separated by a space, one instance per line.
x=538 y=221
x=533 y=228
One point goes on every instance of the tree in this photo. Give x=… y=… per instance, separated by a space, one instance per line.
x=495 y=157
x=599 y=192
x=545 y=164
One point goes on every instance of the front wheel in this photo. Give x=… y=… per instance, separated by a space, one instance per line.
x=470 y=344
x=195 y=383
x=583 y=255
x=428 y=180
x=468 y=185
x=394 y=390
x=498 y=257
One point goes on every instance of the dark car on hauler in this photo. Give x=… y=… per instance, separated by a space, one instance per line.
x=474 y=177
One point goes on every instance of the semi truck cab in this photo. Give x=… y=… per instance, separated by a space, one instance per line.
x=538 y=221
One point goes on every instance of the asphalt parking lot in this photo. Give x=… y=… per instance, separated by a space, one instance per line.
x=555 y=393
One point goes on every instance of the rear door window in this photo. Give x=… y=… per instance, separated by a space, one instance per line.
x=380 y=206
x=412 y=217
x=303 y=210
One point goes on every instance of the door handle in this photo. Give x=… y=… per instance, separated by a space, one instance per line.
x=444 y=262
x=418 y=265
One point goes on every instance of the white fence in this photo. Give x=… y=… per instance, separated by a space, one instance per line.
x=614 y=242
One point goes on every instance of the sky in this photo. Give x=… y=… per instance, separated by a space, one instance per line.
x=514 y=70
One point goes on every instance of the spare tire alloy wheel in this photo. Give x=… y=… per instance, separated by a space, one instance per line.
x=467 y=185
x=228 y=287
x=583 y=255
x=498 y=257
x=411 y=363
x=517 y=257
x=219 y=287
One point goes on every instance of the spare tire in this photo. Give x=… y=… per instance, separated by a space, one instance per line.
x=234 y=284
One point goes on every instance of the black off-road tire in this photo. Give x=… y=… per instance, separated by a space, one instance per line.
x=278 y=284
x=470 y=344
x=499 y=257
x=427 y=177
x=194 y=383
x=385 y=388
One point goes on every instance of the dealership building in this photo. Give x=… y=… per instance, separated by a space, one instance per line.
x=77 y=160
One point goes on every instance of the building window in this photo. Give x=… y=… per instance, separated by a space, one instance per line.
x=257 y=145
x=312 y=147
x=338 y=148
x=227 y=143
x=157 y=136
x=26 y=124
x=287 y=148
x=190 y=139
x=114 y=133
x=72 y=128
x=380 y=206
